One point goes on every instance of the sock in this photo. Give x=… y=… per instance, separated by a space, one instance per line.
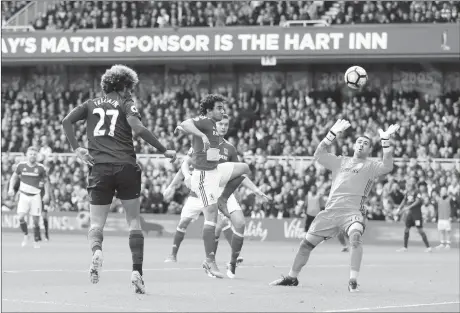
x=95 y=237
x=448 y=237
x=178 y=238
x=301 y=258
x=228 y=233
x=237 y=244
x=209 y=239
x=356 y=255
x=217 y=244
x=45 y=223
x=23 y=225
x=136 y=244
x=37 y=232
x=425 y=239
x=406 y=238
x=231 y=187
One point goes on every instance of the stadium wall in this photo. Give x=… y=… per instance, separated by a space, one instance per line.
x=278 y=230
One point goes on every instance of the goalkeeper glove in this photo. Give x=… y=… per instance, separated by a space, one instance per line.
x=339 y=126
x=385 y=136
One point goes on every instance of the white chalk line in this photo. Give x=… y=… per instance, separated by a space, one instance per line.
x=200 y=268
x=395 y=306
x=88 y=306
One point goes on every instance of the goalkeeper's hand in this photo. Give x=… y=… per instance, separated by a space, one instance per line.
x=340 y=126
x=390 y=131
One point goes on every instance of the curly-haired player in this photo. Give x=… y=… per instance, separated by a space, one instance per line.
x=111 y=121
x=208 y=175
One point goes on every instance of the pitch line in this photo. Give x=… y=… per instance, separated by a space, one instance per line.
x=396 y=306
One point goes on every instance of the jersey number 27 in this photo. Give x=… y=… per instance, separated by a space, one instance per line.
x=113 y=121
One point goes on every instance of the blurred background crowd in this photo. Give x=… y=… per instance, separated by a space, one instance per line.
x=74 y=15
x=284 y=112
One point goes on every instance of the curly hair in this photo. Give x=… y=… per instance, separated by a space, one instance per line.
x=208 y=102
x=117 y=78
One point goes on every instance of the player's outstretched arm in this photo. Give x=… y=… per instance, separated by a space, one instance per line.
x=189 y=127
x=387 y=161
x=328 y=160
x=140 y=130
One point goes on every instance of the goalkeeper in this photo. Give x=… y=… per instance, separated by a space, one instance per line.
x=352 y=179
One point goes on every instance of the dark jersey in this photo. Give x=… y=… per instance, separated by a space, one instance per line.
x=32 y=177
x=110 y=138
x=411 y=198
x=227 y=152
x=205 y=160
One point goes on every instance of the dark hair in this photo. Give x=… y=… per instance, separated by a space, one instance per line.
x=225 y=117
x=32 y=149
x=208 y=102
x=367 y=137
x=117 y=78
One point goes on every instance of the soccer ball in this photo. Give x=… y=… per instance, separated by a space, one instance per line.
x=355 y=77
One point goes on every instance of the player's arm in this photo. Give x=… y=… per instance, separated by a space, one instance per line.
x=386 y=166
x=193 y=127
x=46 y=196
x=326 y=159
x=140 y=130
x=77 y=114
x=13 y=180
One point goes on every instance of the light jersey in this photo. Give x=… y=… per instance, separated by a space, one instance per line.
x=227 y=153
x=352 y=180
x=200 y=157
x=313 y=204
x=443 y=208
x=110 y=138
x=31 y=177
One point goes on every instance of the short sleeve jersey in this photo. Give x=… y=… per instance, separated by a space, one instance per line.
x=352 y=180
x=199 y=156
x=227 y=152
x=32 y=177
x=110 y=138
x=411 y=198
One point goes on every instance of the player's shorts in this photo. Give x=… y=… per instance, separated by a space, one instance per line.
x=414 y=220
x=207 y=184
x=329 y=223
x=192 y=208
x=444 y=225
x=104 y=179
x=30 y=204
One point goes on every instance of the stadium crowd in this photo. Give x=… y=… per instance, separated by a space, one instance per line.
x=75 y=15
x=279 y=122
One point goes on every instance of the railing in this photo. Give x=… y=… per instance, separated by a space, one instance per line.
x=297 y=162
x=306 y=23
x=29 y=13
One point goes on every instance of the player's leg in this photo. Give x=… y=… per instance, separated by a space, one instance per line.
x=231 y=177
x=239 y=224
x=203 y=183
x=447 y=234
x=343 y=241
x=35 y=212
x=128 y=186
x=422 y=234
x=320 y=229
x=355 y=233
x=409 y=223
x=223 y=225
x=101 y=189
x=442 y=234
x=23 y=211
x=45 y=223
x=190 y=211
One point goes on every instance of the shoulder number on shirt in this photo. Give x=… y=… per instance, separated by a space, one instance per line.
x=101 y=132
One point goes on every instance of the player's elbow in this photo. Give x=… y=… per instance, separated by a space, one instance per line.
x=138 y=130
